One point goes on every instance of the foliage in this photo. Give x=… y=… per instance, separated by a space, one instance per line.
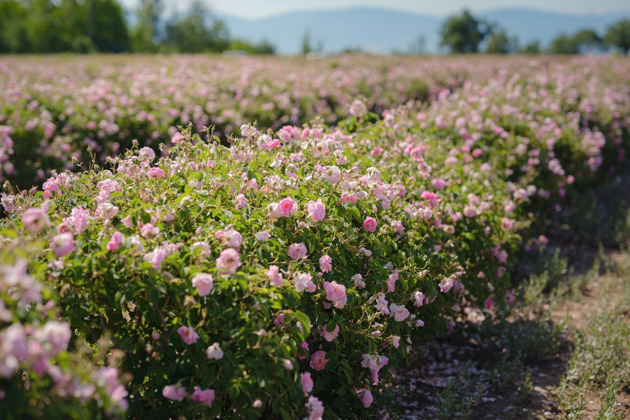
x=618 y=36
x=463 y=33
x=500 y=43
x=191 y=34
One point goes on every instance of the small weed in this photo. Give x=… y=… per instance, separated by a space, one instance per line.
x=457 y=399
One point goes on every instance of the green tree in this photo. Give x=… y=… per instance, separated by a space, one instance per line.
x=106 y=26
x=192 y=35
x=531 y=48
x=144 y=35
x=618 y=35
x=563 y=44
x=587 y=40
x=463 y=33
x=500 y=43
x=13 y=31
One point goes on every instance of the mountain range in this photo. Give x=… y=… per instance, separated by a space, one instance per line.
x=385 y=31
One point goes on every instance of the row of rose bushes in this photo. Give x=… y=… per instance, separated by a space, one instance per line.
x=53 y=109
x=284 y=275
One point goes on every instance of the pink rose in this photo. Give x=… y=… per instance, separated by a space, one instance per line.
x=316 y=210
x=188 y=334
x=174 y=392
x=286 y=207
x=488 y=303
x=336 y=293
x=330 y=335
x=274 y=276
x=369 y=224
x=229 y=261
x=446 y=284
x=325 y=263
x=148 y=230
x=318 y=360
x=307 y=382
x=315 y=408
x=399 y=312
x=367 y=398
x=204 y=283
x=115 y=241
x=304 y=281
x=205 y=396
x=297 y=251
x=62 y=244
x=155 y=173
x=35 y=219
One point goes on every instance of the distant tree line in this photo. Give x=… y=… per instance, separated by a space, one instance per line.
x=465 y=33
x=84 y=26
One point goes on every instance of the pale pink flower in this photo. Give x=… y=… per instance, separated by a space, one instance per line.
x=155 y=173
x=204 y=283
x=62 y=244
x=367 y=398
x=257 y=404
x=54 y=336
x=229 y=261
x=370 y=224
x=446 y=284
x=297 y=251
x=358 y=281
x=399 y=312
x=307 y=382
x=304 y=281
x=325 y=263
x=148 y=230
x=263 y=236
x=318 y=360
x=332 y=174
x=188 y=334
x=391 y=281
x=156 y=256
x=315 y=409
x=107 y=210
x=35 y=219
x=330 y=335
x=396 y=341
x=286 y=207
x=381 y=303
x=316 y=210
x=240 y=201
x=116 y=239
x=470 y=211
x=174 y=392
x=274 y=276
x=336 y=293
x=204 y=246
x=419 y=299
x=127 y=221
x=80 y=218
x=205 y=396
x=177 y=137
x=146 y=153
x=214 y=352
x=358 y=108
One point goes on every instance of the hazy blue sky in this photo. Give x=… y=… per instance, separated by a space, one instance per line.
x=261 y=8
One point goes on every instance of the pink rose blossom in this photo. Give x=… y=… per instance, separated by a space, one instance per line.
x=229 y=261
x=488 y=303
x=307 y=382
x=391 y=281
x=332 y=174
x=35 y=219
x=509 y=298
x=325 y=263
x=318 y=360
x=316 y=210
x=304 y=281
x=257 y=404
x=315 y=409
x=396 y=341
x=286 y=207
x=419 y=299
x=470 y=211
x=174 y=392
x=297 y=251
x=177 y=137
x=205 y=396
x=446 y=284
x=148 y=230
x=116 y=239
x=336 y=293
x=214 y=352
x=399 y=312
x=330 y=335
x=274 y=276
x=107 y=210
x=155 y=173
x=62 y=244
x=127 y=221
x=358 y=281
x=240 y=201
x=156 y=256
x=370 y=224
x=204 y=283
x=367 y=398
x=188 y=334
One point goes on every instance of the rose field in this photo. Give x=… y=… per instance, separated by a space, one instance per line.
x=240 y=237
